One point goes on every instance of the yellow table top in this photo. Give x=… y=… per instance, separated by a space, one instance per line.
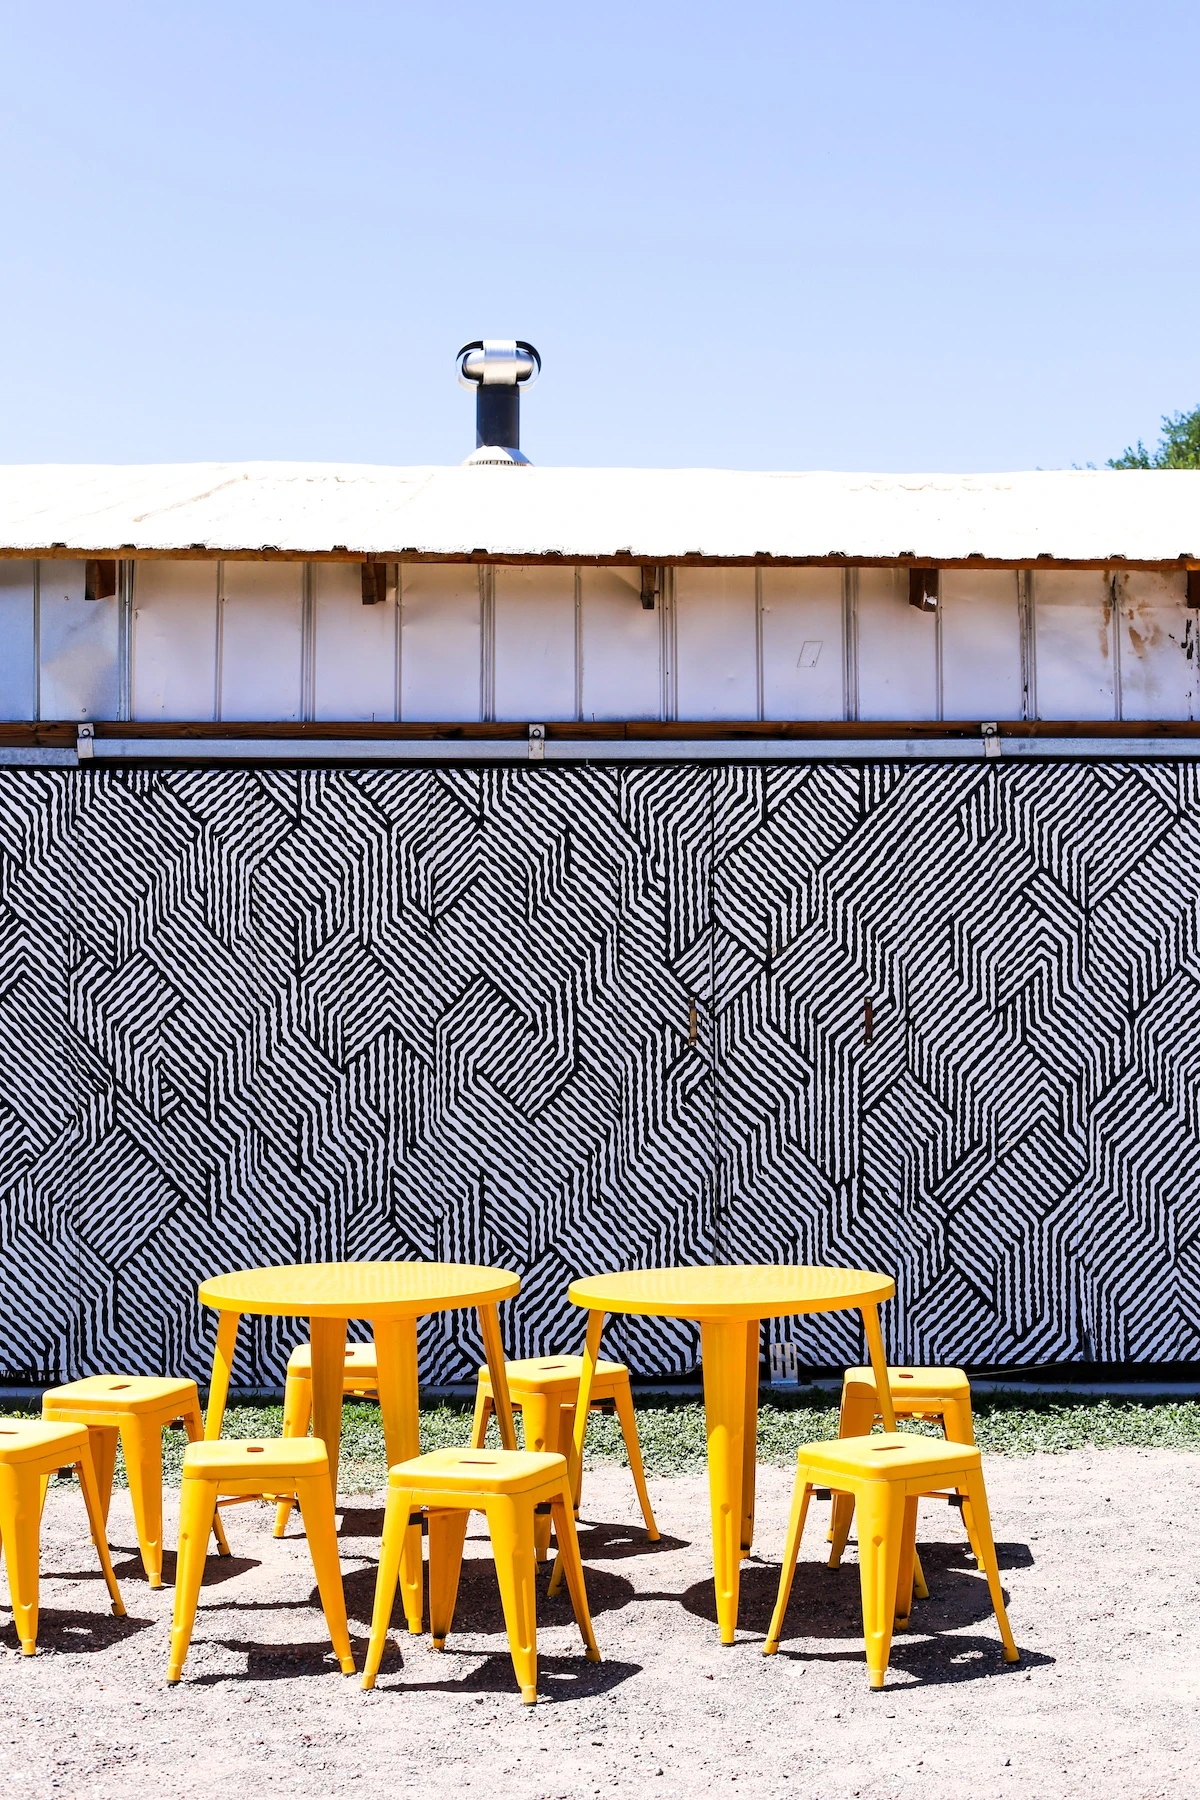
x=359 y=1290
x=764 y=1291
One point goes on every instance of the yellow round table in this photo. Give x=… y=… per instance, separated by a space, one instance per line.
x=729 y=1305
x=392 y=1296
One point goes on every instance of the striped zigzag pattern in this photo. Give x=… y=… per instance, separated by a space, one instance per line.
x=948 y=1024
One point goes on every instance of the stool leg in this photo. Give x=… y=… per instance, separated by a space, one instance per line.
x=880 y=1506
x=197 y=1503
x=447 y=1535
x=855 y=1419
x=980 y=1527
x=750 y=1435
x=563 y=1514
x=510 y=1524
x=20 y=1531
x=102 y=1441
x=623 y=1395
x=297 y=1411
x=791 y=1550
x=483 y=1412
x=391 y=1550
x=908 y=1557
x=193 y=1424
x=315 y=1499
x=540 y=1416
x=91 y=1500
x=957 y=1422
x=141 y=1440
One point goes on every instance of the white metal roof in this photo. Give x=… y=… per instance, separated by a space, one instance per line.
x=652 y=515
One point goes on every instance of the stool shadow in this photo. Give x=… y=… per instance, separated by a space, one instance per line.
x=827 y=1603
x=216 y=1569
x=271 y=1662
x=478 y=1607
x=938 y=1659
x=76 y=1634
x=561 y=1679
x=612 y=1543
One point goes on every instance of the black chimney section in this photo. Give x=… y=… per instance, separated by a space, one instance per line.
x=498 y=416
x=497 y=368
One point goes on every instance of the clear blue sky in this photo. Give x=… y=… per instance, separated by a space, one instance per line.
x=895 y=236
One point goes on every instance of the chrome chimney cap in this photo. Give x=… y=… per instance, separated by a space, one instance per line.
x=498 y=362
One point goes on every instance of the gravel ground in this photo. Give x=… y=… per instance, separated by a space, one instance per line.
x=1103 y=1702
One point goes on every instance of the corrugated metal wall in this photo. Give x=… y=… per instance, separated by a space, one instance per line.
x=287 y=641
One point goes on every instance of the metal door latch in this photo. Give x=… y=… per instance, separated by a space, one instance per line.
x=991 y=739
x=537 y=743
x=85 y=743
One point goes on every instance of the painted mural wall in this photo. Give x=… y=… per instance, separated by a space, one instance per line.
x=273 y=1015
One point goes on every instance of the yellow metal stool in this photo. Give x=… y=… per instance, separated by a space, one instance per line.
x=507 y=1486
x=30 y=1452
x=138 y=1407
x=361 y=1377
x=886 y=1476
x=943 y=1394
x=250 y=1468
x=546 y=1389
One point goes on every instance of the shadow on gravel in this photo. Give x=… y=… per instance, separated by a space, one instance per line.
x=560 y=1678
x=216 y=1570
x=614 y=1542
x=270 y=1662
x=935 y=1661
x=826 y=1603
x=76 y=1634
x=478 y=1606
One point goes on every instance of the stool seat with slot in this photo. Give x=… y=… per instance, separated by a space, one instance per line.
x=137 y=1408
x=927 y=1393
x=249 y=1468
x=508 y=1487
x=31 y=1451
x=886 y=1475
x=546 y=1389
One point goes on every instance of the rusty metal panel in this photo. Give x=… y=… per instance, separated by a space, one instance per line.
x=79 y=677
x=981 y=665
x=441 y=644
x=1073 y=640
x=18 y=643
x=354 y=657
x=1157 y=648
x=262 y=640
x=803 y=644
x=535 y=643
x=897 y=649
x=174 y=673
x=716 y=644
x=620 y=647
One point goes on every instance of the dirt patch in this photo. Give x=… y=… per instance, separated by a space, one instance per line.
x=1102 y=1596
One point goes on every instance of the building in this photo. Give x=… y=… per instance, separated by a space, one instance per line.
x=578 y=868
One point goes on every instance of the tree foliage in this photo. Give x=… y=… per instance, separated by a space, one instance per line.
x=1178 y=447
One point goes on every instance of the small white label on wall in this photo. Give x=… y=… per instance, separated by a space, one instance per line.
x=809 y=652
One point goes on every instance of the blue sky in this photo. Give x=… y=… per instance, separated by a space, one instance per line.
x=896 y=236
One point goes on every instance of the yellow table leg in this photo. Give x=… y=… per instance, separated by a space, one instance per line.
x=218 y=1391
x=583 y=1400
x=574 y=1446
x=723 y=1360
x=879 y=1368
x=750 y=1437
x=493 y=1348
x=887 y=1410
x=328 y=1340
x=399 y=1407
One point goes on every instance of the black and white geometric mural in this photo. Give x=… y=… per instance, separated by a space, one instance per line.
x=947 y=1025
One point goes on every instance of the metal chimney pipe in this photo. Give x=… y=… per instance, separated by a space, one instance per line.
x=497 y=368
